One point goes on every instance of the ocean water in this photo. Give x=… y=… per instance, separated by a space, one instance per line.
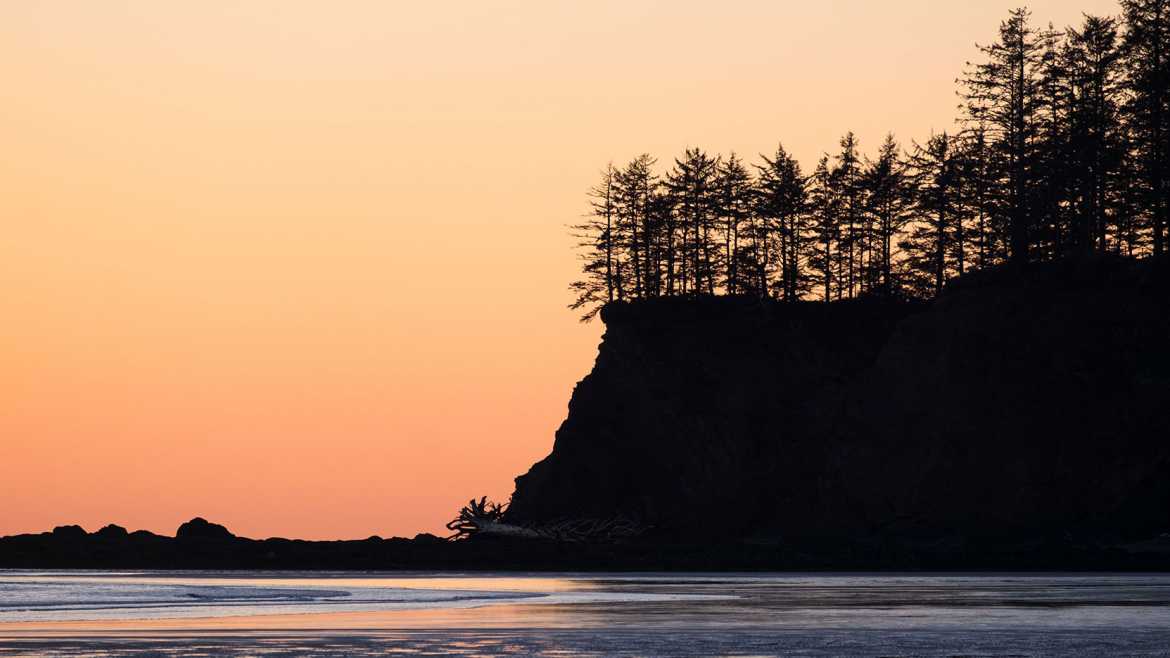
x=295 y=614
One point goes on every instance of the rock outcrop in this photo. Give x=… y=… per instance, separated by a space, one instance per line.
x=1020 y=421
x=1017 y=406
x=199 y=528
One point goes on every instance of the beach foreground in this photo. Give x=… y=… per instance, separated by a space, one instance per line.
x=212 y=613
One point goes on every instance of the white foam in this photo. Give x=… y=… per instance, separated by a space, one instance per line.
x=63 y=599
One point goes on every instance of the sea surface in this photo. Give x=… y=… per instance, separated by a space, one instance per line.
x=148 y=613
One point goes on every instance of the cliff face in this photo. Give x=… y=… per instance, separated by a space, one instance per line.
x=1017 y=404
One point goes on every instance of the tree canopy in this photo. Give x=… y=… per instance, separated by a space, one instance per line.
x=1059 y=150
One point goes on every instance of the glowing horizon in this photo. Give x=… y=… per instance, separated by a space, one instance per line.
x=303 y=270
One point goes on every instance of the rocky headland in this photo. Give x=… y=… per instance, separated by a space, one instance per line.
x=1020 y=420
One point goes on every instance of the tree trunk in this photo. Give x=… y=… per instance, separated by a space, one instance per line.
x=609 y=239
x=940 y=254
x=1158 y=146
x=1019 y=217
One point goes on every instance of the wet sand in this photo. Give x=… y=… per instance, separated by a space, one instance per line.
x=809 y=615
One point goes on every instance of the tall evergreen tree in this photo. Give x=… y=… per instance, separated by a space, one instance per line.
x=599 y=252
x=982 y=197
x=1092 y=62
x=936 y=193
x=847 y=176
x=1001 y=95
x=660 y=229
x=824 y=209
x=781 y=212
x=734 y=191
x=633 y=188
x=1050 y=168
x=889 y=201
x=1147 y=40
x=692 y=183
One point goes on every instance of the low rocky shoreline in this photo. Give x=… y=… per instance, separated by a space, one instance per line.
x=202 y=545
x=1020 y=421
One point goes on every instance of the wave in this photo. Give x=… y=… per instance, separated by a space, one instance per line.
x=84 y=599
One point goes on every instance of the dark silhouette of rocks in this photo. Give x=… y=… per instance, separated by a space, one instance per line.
x=145 y=550
x=1019 y=421
x=144 y=535
x=200 y=528
x=112 y=531
x=1021 y=407
x=69 y=532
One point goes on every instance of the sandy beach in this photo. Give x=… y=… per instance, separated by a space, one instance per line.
x=568 y=614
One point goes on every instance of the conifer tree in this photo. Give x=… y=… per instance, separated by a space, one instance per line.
x=633 y=188
x=600 y=284
x=1092 y=61
x=1001 y=95
x=692 y=183
x=734 y=192
x=889 y=202
x=781 y=209
x=1050 y=167
x=847 y=177
x=936 y=194
x=660 y=232
x=982 y=197
x=1147 y=41
x=824 y=209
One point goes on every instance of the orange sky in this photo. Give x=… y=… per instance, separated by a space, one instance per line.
x=300 y=267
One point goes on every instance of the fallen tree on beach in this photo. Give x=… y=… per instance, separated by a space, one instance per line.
x=486 y=518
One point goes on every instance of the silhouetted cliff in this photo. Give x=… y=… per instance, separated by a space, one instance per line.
x=1018 y=407
x=1020 y=421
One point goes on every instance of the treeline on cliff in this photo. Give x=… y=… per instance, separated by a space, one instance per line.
x=1060 y=149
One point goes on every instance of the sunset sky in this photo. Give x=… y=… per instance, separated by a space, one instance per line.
x=300 y=267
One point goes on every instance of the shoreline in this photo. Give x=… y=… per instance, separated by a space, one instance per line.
x=682 y=614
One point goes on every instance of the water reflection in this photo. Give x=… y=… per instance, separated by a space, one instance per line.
x=697 y=614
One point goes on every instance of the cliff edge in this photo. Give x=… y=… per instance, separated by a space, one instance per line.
x=1018 y=406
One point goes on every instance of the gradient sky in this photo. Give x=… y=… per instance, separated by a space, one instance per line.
x=301 y=267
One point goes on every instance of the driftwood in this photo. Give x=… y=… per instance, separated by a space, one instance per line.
x=475 y=517
x=591 y=530
x=484 y=517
